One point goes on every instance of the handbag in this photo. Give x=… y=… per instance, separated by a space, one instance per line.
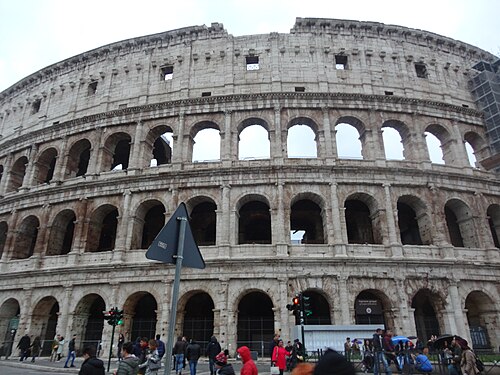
x=275 y=370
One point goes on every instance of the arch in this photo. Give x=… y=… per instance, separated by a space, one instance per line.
x=362 y=219
x=26 y=236
x=45 y=316
x=78 y=158
x=62 y=233
x=158 y=146
x=4 y=229
x=148 y=221
x=372 y=306
x=88 y=319
x=205 y=142
x=203 y=220
x=307 y=219
x=255 y=327
x=102 y=229
x=402 y=147
x=199 y=317
x=348 y=143
x=460 y=224
x=254 y=220
x=317 y=309
x=45 y=166
x=493 y=213
x=393 y=143
x=302 y=138
x=415 y=225
x=116 y=152
x=427 y=305
x=140 y=315
x=10 y=312
x=438 y=140
x=253 y=139
x=476 y=148
x=16 y=175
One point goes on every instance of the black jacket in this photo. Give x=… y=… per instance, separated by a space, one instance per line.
x=193 y=351
x=213 y=348
x=227 y=369
x=92 y=366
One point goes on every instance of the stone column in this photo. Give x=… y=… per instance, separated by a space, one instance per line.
x=223 y=230
x=391 y=222
x=96 y=151
x=25 y=319
x=277 y=151
x=330 y=143
x=164 y=308
x=178 y=142
x=62 y=158
x=343 y=300
x=6 y=174
x=458 y=311
x=30 y=169
x=405 y=321
x=137 y=149
x=221 y=319
x=123 y=236
x=63 y=326
x=339 y=230
x=461 y=159
x=280 y=226
x=227 y=139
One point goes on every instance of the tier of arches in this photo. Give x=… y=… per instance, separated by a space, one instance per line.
x=307 y=220
x=152 y=144
x=256 y=316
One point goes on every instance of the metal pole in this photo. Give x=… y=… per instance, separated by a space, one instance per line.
x=111 y=346
x=175 y=294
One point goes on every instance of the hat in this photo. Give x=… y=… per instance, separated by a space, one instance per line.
x=333 y=363
x=221 y=359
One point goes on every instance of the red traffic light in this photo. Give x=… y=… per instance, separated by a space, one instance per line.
x=296 y=301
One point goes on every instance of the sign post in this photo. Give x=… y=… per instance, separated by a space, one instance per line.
x=175 y=244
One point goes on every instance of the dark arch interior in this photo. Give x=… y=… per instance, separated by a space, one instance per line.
x=254 y=223
x=199 y=318
x=203 y=223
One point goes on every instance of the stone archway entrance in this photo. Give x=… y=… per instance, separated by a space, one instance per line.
x=141 y=308
x=88 y=322
x=482 y=320
x=255 y=327
x=199 y=318
x=9 y=322
x=426 y=304
x=44 y=322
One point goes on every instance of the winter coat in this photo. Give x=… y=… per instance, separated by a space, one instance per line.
x=61 y=346
x=249 y=367
x=179 y=347
x=468 y=363
x=24 y=343
x=213 y=348
x=227 y=369
x=152 y=364
x=279 y=357
x=193 y=351
x=128 y=366
x=422 y=363
x=92 y=366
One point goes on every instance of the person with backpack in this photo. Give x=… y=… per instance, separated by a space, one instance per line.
x=468 y=362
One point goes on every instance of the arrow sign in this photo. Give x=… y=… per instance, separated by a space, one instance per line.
x=165 y=246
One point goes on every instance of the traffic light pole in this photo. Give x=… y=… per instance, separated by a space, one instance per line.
x=175 y=294
x=111 y=345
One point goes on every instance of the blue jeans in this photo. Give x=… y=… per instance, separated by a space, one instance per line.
x=179 y=362
x=192 y=366
x=380 y=358
x=211 y=365
x=71 y=355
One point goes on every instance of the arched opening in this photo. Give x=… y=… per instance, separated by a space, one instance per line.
x=301 y=142
x=434 y=148
x=206 y=145
x=44 y=322
x=317 y=309
x=199 y=318
x=471 y=155
x=476 y=148
x=61 y=233
x=142 y=307
x=255 y=327
x=460 y=224
x=27 y=233
x=254 y=224
x=203 y=223
x=9 y=322
x=306 y=218
x=408 y=225
x=88 y=320
x=102 y=229
x=45 y=166
x=78 y=159
x=425 y=305
x=154 y=220
x=159 y=146
x=393 y=144
x=4 y=228
x=17 y=173
x=254 y=142
x=348 y=142
x=369 y=308
x=116 y=152
x=480 y=316
x=360 y=221
x=493 y=213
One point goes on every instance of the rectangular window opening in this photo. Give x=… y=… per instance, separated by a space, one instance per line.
x=207 y=93
x=341 y=62
x=35 y=107
x=421 y=70
x=167 y=73
x=252 y=62
x=389 y=92
x=92 y=88
x=300 y=89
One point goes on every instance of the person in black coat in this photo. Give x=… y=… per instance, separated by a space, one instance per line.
x=91 y=364
x=213 y=348
x=24 y=346
x=193 y=353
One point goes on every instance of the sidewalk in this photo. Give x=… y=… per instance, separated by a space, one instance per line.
x=43 y=364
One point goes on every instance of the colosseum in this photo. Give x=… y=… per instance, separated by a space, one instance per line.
x=97 y=152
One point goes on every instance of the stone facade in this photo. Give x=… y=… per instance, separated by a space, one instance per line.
x=418 y=238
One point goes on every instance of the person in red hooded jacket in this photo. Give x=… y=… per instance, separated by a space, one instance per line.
x=248 y=367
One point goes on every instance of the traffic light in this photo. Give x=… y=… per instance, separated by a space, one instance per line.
x=114 y=316
x=306 y=305
x=294 y=307
x=119 y=317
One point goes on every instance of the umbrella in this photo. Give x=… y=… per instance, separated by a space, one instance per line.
x=399 y=339
x=358 y=341
x=412 y=337
x=440 y=341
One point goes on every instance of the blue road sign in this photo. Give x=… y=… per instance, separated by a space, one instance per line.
x=164 y=246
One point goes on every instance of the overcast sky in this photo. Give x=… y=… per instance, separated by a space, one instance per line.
x=38 y=33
